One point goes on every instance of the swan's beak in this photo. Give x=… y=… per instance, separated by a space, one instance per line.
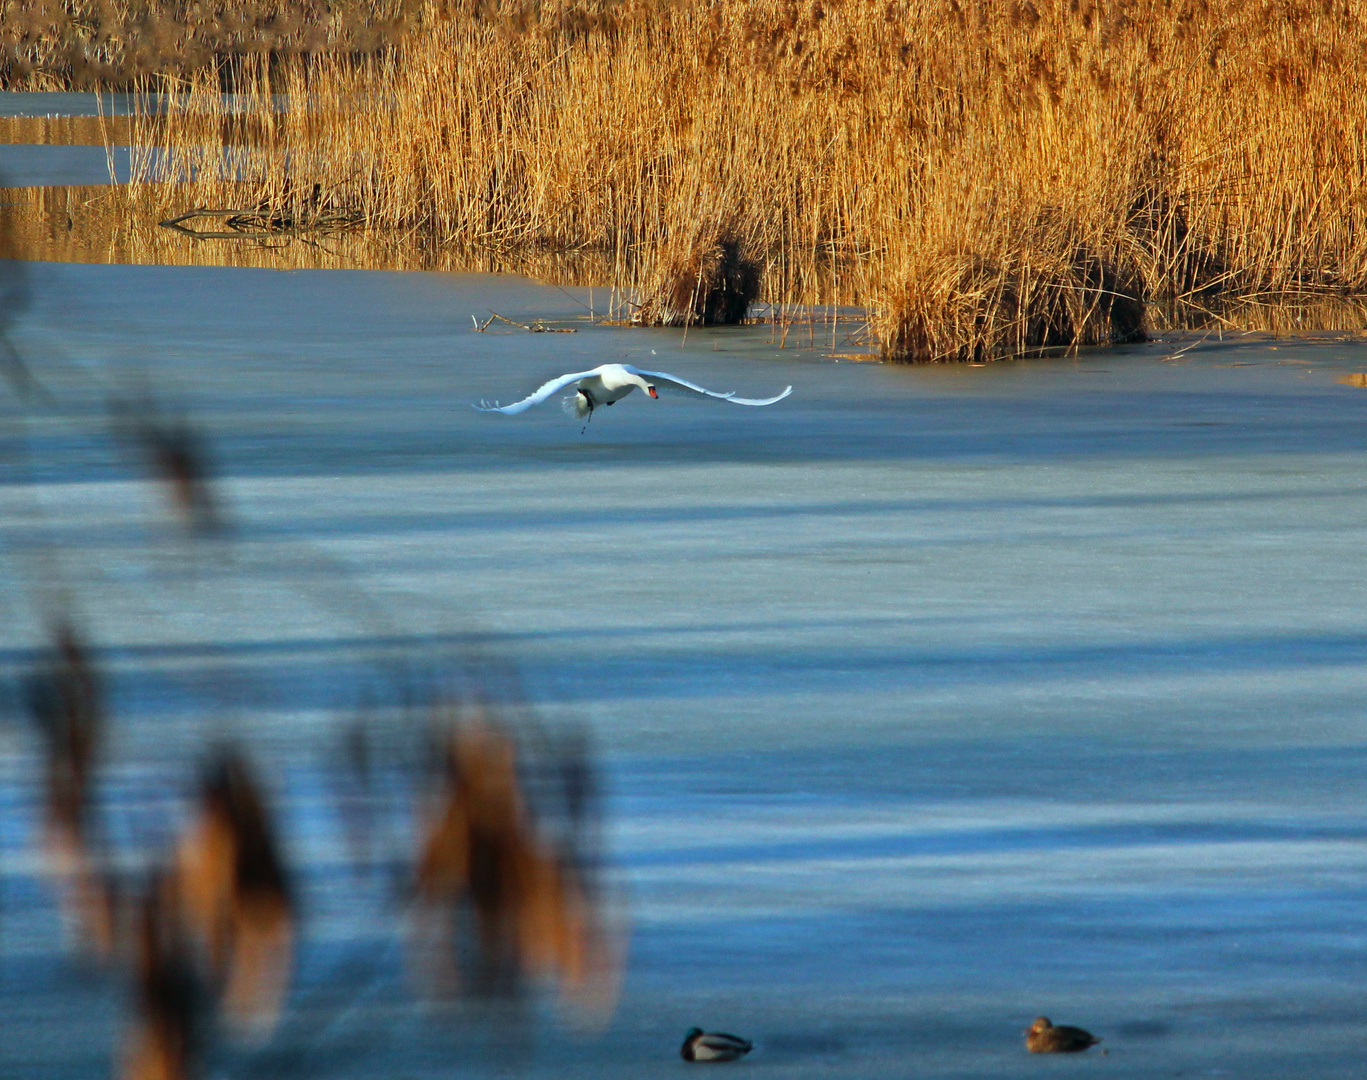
x=651 y=391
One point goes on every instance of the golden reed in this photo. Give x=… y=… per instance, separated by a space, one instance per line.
x=986 y=177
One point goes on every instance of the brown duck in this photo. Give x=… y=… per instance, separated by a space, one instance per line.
x=1044 y=1037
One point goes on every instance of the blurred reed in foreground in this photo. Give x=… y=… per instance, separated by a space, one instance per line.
x=233 y=849
x=489 y=850
x=214 y=930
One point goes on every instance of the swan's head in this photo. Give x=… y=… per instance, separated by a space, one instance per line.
x=634 y=379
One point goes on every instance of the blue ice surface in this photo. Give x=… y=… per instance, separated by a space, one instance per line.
x=58 y=103
x=24 y=165
x=928 y=700
x=63 y=103
x=56 y=165
x=51 y=165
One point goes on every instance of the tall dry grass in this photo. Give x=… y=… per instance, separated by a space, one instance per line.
x=986 y=176
x=91 y=224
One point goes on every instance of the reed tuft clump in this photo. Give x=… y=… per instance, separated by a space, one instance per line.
x=986 y=177
x=981 y=309
x=711 y=285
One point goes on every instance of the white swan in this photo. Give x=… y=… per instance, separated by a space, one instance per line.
x=611 y=383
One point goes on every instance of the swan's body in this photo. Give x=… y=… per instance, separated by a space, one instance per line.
x=700 y=1045
x=609 y=384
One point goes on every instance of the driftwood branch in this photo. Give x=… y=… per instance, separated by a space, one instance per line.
x=534 y=327
x=257 y=224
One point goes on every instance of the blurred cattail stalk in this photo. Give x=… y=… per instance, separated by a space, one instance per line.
x=987 y=177
x=533 y=905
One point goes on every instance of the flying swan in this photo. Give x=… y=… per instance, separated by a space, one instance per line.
x=610 y=383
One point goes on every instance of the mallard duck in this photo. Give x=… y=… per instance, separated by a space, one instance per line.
x=609 y=383
x=1044 y=1037
x=699 y=1045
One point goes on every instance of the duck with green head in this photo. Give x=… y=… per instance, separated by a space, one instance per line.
x=699 y=1045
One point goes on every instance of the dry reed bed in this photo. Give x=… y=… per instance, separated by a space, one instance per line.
x=116 y=130
x=82 y=44
x=91 y=224
x=66 y=130
x=986 y=177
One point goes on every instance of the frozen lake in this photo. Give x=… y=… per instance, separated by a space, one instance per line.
x=56 y=165
x=928 y=700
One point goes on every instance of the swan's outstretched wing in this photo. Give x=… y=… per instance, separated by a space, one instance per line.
x=684 y=384
x=542 y=393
